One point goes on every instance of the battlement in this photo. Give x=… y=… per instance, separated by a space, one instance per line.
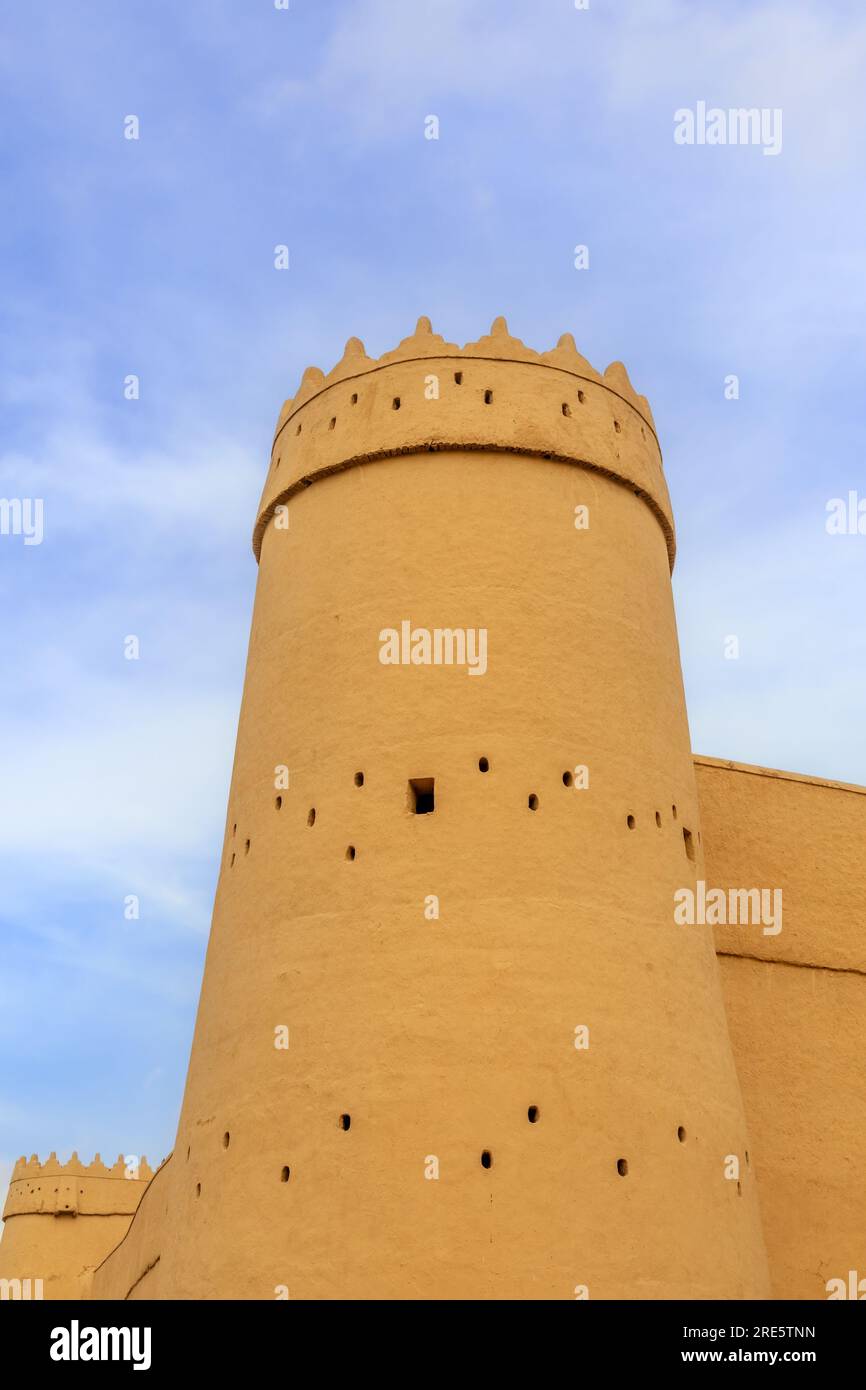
x=75 y=1188
x=495 y=394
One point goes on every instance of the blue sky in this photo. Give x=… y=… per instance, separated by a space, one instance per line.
x=155 y=257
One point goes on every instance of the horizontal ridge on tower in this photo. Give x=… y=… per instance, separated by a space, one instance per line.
x=495 y=395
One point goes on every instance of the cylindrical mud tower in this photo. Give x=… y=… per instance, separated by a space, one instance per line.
x=451 y=1042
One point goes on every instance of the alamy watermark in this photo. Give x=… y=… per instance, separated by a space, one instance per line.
x=714 y=125
x=438 y=646
x=734 y=907
x=23 y=516
x=846 y=517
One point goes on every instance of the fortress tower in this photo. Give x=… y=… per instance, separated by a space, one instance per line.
x=61 y=1220
x=450 y=890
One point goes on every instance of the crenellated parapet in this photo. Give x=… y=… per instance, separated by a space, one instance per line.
x=496 y=394
x=75 y=1188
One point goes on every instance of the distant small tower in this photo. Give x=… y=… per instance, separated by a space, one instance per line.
x=451 y=1042
x=60 y=1222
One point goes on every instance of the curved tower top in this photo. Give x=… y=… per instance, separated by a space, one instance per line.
x=495 y=394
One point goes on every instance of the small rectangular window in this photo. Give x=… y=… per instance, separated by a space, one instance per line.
x=422 y=799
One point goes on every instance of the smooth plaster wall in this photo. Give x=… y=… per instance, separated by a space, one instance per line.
x=796 y=1005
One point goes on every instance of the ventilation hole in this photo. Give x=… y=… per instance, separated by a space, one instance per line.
x=395 y=404
x=483 y=765
x=278 y=802
x=198 y=1189
x=458 y=378
x=566 y=408
x=422 y=796
x=359 y=779
x=285 y=1175
x=354 y=398
x=277 y=464
x=532 y=803
x=234 y=829
x=487 y=1159
x=617 y=426
x=747 y=1158
x=622 y=1166
x=532 y=1114
x=232 y=862
x=674 y=812
x=659 y=819
x=642 y=432
x=345 y=1121
x=681 y=1134
x=629 y=820
x=298 y=430
x=739 y=1189
x=568 y=779
x=488 y=397
x=246 y=847
x=350 y=852
x=581 y=397
x=226 y=1139
x=690 y=845
x=188 y=1152
x=332 y=422
x=311 y=818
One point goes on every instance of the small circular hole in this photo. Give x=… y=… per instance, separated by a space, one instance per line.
x=359 y=779
x=566 y=408
x=659 y=819
x=345 y=1121
x=285 y=1175
x=532 y=1114
x=311 y=817
x=350 y=852
x=483 y=765
x=226 y=1139
x=622 y=1166
x=278 y=802
x=681 y=1134
x=533 y=802
x=487 y=1159
x=354 y=398
x=630 y=822
x=568 y=779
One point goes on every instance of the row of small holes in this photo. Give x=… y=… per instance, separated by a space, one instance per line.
x=631 y=822
x=488 y=400
x=532 y=1115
